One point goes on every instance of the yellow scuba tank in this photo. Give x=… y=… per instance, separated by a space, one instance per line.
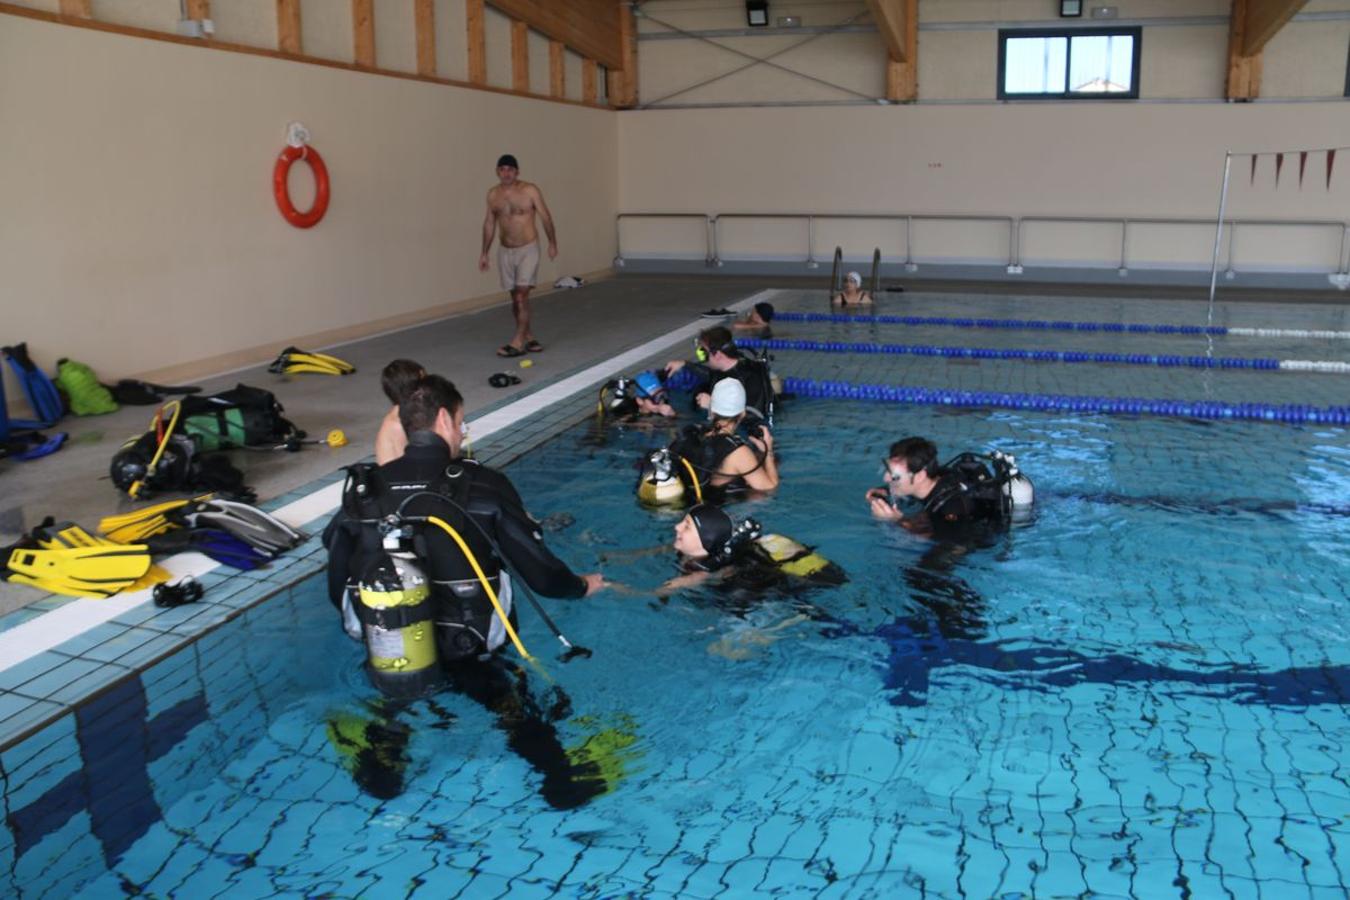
x=659 y=484
x=790 y=556
x=395 y=607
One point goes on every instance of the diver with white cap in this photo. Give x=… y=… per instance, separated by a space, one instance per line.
x=713 y=457
x=852 y=293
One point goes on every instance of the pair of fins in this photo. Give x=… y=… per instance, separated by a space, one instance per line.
x=219 y=545
x=256 y=529
x=43 y=397
x=63 y=558
x=293 y=361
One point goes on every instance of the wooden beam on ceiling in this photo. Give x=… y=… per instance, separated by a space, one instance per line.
x=363 y=33
x=588 y=84
x=424 y=20
x=621 y=81
x=1244 y=71
x=288 y=26
x=77 y=9
x=1264 y=19
x=520 y=57
x=475 y=21
x=557 y=69
x=892 y=17
x=898 y=22
x=590 y=27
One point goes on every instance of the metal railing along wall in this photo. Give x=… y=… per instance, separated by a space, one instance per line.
x=708 y=239
x=1016 y=226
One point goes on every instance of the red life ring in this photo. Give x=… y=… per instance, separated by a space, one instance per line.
x=283 y=168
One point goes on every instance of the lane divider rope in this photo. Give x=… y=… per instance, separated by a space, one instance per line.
x=1062 y=356
x=1057 y=325
x=1293 y=413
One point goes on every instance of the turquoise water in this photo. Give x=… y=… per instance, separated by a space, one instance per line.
x=1140 y=692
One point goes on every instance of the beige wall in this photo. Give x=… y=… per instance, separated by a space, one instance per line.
x=140 y=229
x=1086 y=159
x=1179 y=61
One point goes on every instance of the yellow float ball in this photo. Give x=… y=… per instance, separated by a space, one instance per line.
x=526 y=363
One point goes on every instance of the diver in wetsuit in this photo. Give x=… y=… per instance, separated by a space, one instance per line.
x=470 y=608
x=742 y=563
x=718 y=358
x=962 y=506
x=712 y=461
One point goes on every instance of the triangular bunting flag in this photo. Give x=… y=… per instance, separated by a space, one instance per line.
x=1331 y=161
x=1279 y=164
x=1254 y=168
x=1302 y=164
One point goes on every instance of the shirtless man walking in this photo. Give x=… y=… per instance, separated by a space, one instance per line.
x=512 y=206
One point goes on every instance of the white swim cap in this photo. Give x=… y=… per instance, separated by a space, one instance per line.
x=855 y=278
x=728 y=398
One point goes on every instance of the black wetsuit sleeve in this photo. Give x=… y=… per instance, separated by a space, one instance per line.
x=522 y=543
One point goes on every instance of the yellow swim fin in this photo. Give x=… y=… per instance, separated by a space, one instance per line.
x=98 y=571
x=137 y=525
x=293 y=360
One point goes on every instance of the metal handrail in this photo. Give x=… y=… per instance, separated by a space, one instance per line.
x=908 y=218
x=707 y=231
x=1015 y=224
x=1231 y=224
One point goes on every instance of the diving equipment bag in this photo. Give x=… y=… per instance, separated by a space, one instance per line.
x=171 y=455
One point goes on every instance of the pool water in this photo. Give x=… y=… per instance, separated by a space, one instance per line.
x=1140 y=692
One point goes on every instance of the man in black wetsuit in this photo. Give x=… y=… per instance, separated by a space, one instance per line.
x=481 y=504
x=952 y=516
x=719 y=358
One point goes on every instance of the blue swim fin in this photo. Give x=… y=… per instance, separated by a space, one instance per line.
x=37 y=387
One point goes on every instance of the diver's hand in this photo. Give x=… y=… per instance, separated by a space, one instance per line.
x=483 y=263
x=882 y=509
x=877 y=493
x=765 y=439
x=594 y=582
x=674 y=366
x=704 y=400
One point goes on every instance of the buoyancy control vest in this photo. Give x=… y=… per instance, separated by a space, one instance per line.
x=395 y=525
x=980 y=489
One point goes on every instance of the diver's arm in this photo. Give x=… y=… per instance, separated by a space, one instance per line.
x=522 y=543
x=764 y=477
x=681 y=582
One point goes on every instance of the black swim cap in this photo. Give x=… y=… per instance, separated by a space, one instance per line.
x=713 y=527
x=765 y=311
x=506 y=159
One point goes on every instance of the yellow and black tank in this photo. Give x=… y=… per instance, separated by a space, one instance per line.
x=396 y=609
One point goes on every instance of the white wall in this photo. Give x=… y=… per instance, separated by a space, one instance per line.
x=1085 y=159
x=139 y=228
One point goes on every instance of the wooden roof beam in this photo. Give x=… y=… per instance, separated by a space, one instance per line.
x=898 y=22
x=590 y=27
x=1263 y=20
x=894 y=18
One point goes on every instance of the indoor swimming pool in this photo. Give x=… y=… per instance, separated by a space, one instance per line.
x=1137 y=691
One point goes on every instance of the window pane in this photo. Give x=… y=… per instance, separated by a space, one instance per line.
x=1102 y=64
x=1035 y=65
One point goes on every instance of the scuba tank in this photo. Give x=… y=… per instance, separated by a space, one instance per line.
x=1018 y=492
x=658 y=484
x=395 y=608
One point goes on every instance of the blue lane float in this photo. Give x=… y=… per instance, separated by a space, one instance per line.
x=1061 y=356
x=1291 y=413
x=1024 y=324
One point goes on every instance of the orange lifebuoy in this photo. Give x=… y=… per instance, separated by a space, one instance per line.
x=279 y=173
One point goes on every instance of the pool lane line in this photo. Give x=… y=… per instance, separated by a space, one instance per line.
x=1060 y=356
x=1290 y=413
x=1060 y=325
x=70 y=620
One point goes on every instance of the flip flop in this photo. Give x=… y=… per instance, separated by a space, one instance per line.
x=507 y=351
x=534 y=347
